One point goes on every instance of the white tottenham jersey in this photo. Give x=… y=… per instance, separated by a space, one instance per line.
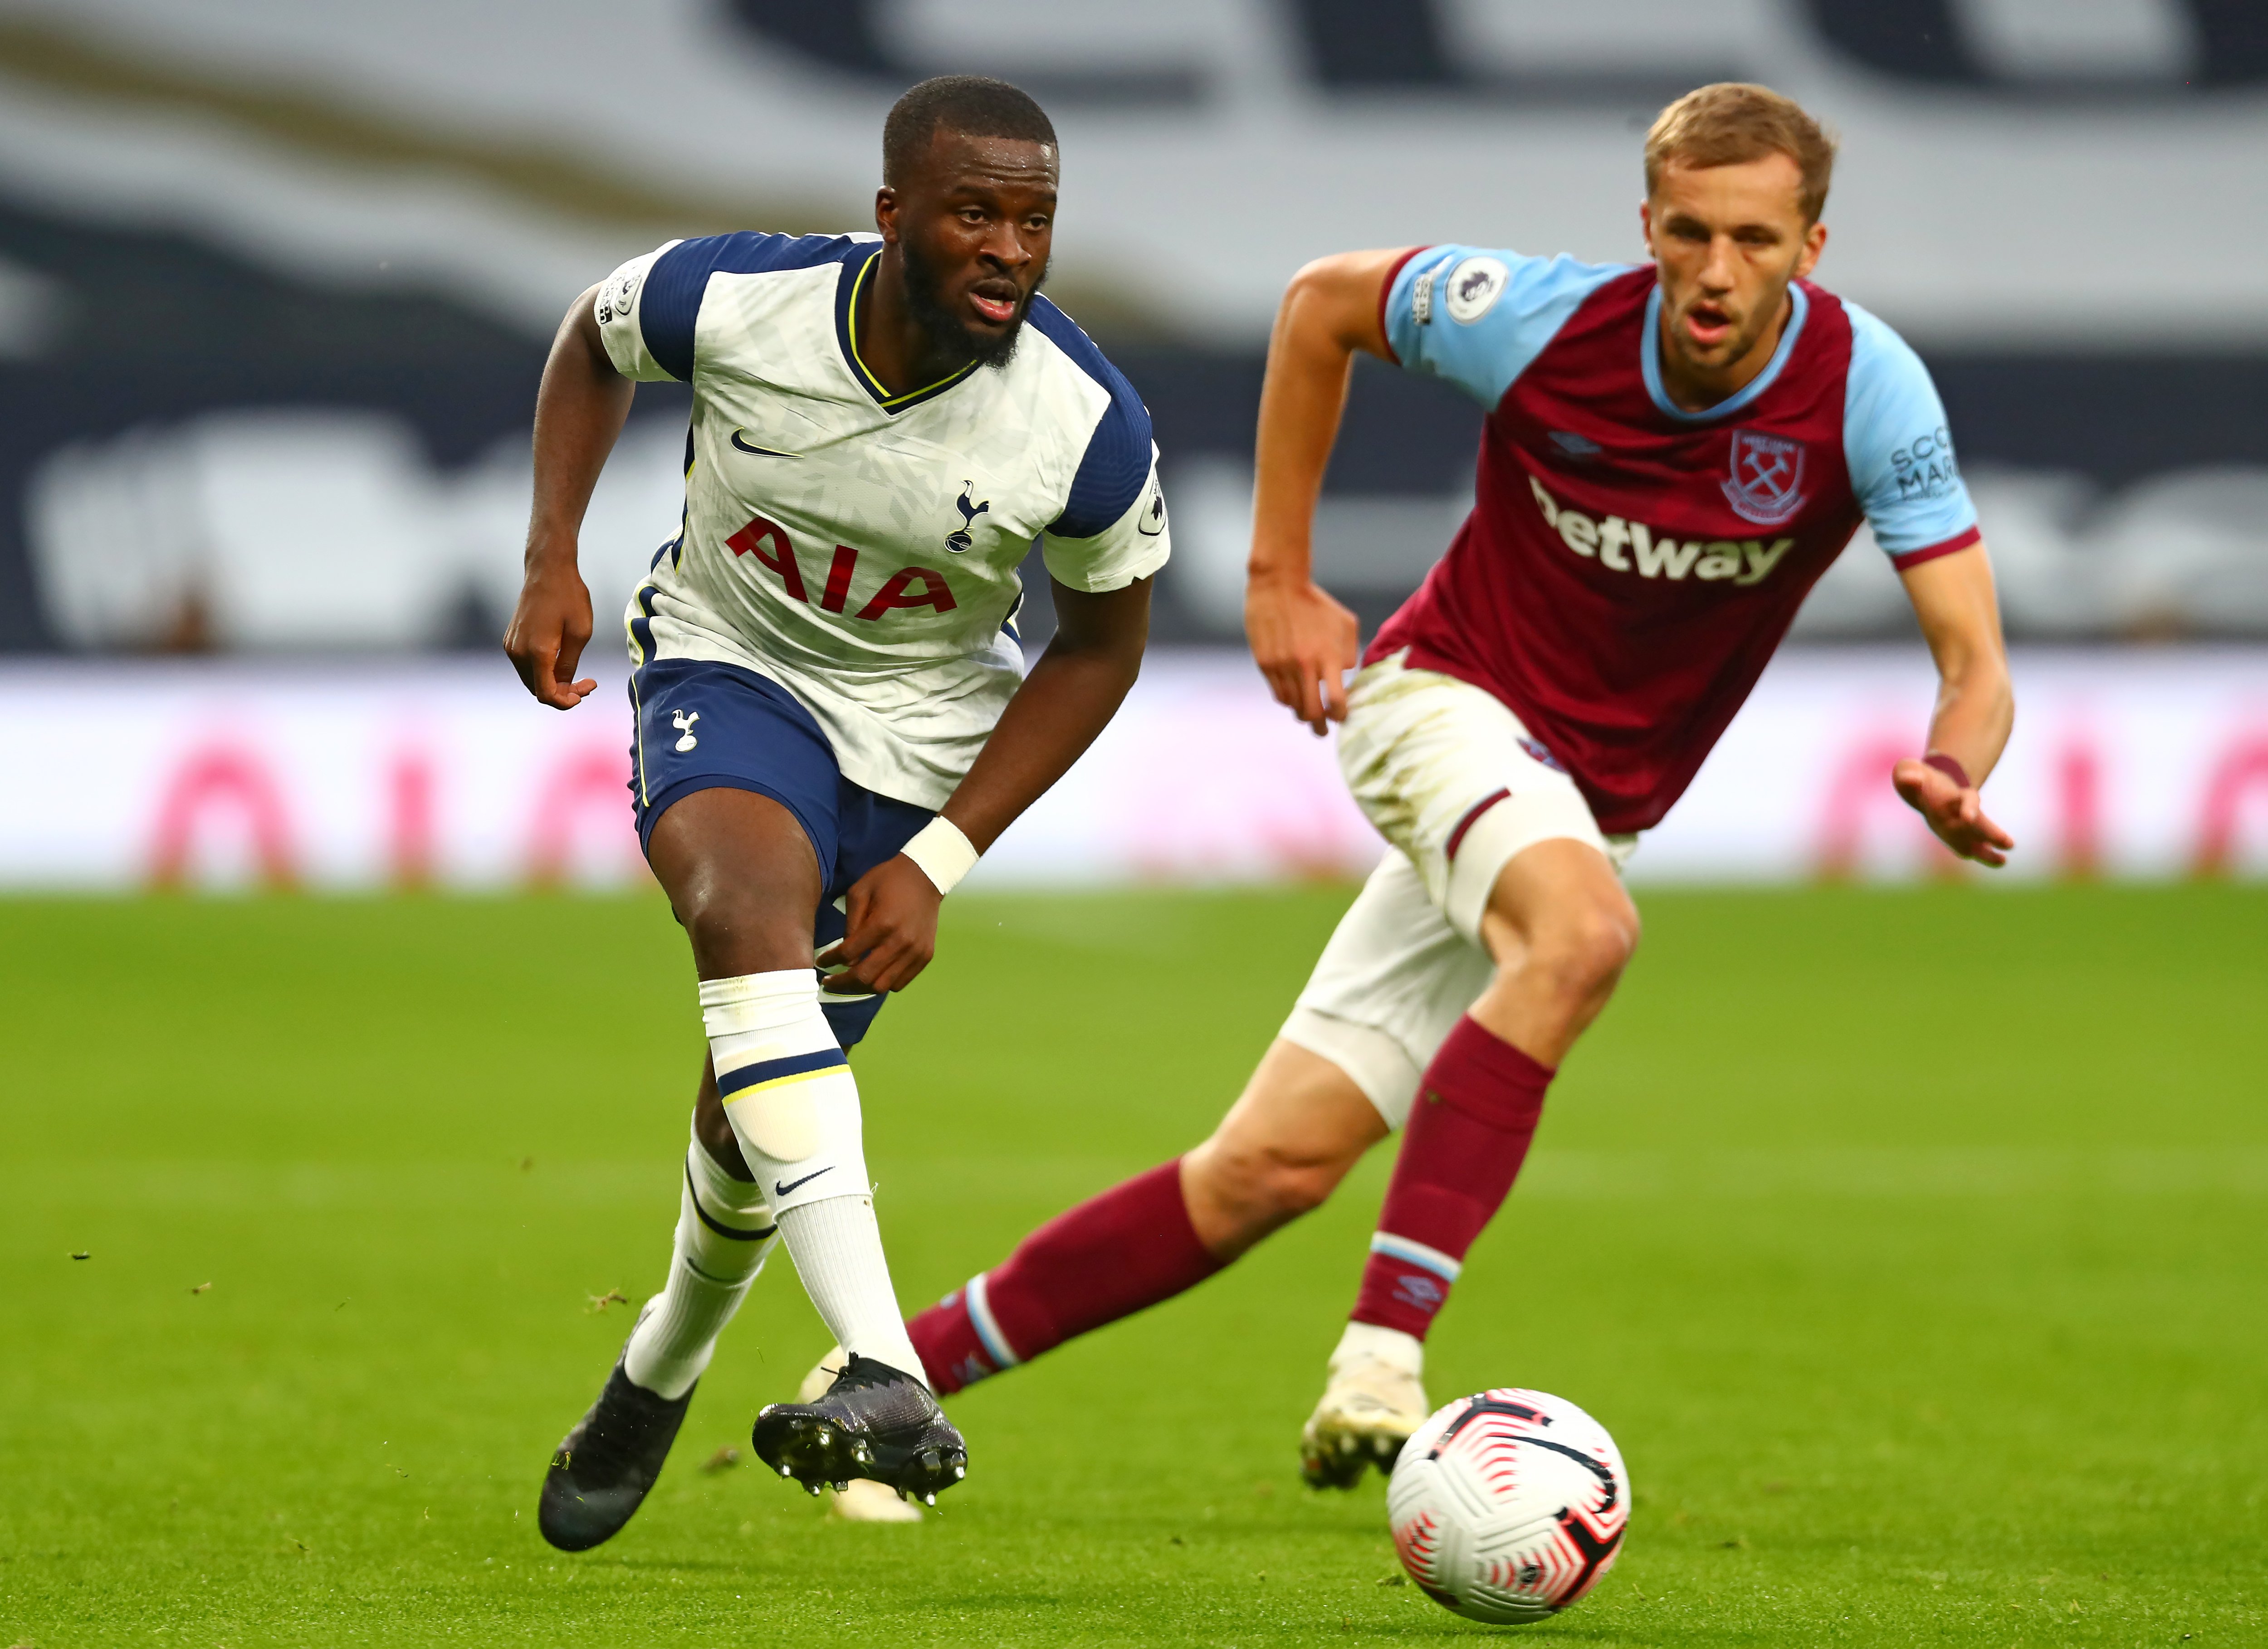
x=860 y=548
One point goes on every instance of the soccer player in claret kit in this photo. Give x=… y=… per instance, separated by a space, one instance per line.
x=832 y=715
x=1674 y=453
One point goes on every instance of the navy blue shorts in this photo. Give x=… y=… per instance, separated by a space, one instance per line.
x=717 y=726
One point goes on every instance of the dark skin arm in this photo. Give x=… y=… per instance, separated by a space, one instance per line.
x=579 y=412
x=1070 y=697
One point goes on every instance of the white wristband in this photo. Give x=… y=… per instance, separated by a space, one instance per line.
x=944 y=854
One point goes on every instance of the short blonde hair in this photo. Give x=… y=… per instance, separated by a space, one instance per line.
x=1730 y=122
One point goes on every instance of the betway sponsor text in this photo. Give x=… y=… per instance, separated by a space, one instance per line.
x=1654 y=554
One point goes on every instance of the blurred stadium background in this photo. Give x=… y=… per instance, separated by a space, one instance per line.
x=276 y=281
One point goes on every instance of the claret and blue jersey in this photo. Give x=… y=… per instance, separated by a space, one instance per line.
x=1630 y=566
x=856 y=547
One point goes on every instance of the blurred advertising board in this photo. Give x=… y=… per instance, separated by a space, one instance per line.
x=410 y=773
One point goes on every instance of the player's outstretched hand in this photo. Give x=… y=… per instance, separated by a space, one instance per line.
x=550 y=630
x=1304 y=641
x=1955 y=811
x=892 y=930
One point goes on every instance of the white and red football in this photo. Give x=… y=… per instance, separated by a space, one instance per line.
x=1508 y=1506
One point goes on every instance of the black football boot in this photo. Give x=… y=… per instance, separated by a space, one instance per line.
x=874 y=1422
x=604 y=1467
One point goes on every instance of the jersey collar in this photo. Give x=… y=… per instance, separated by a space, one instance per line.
x=854 y=276
x=1649 y=354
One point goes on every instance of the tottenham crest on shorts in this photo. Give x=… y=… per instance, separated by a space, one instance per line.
x=1766 y=485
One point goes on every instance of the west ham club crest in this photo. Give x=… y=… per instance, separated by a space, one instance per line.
x=1766 y=485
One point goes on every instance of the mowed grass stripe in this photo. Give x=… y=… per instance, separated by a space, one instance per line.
x=1570 y=1174
x=1911 y=1243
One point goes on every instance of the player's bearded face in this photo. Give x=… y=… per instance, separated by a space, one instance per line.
x=955 y=340
x=974 y=229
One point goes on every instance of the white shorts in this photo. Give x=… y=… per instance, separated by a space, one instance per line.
x=1453 y=780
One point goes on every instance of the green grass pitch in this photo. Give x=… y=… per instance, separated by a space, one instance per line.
x=1913 y=1244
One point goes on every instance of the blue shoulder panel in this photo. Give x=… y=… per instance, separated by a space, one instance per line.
x=1897 y=444
x=674 y=285
x=1116 y=467
x=1479 y=318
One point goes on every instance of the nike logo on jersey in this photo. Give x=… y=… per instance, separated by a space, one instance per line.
x=1653 y=556
x=782 y=1190
x=760 y=452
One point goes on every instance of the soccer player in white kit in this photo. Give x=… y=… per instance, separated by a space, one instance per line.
x=833 y=720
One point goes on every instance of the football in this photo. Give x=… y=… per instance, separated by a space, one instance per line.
x=1509 y=1506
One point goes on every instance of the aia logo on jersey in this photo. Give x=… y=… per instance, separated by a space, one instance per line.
x=1766 y=485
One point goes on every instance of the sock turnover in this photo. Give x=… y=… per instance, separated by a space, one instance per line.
x=1477 y=1107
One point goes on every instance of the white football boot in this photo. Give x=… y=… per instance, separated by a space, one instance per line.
x=861 y=1499
x=1375 y=1399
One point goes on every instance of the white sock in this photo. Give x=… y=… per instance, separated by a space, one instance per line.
x=793 y=1104
x=837 y=1250
x=1390 y=1346
x=724 y=1231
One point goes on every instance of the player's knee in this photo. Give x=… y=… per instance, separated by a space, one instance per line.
x=711 y=914
x=1583 y=950
x=741 y=927
x=1287 y=1187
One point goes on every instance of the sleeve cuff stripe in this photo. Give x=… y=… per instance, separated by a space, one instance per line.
x=1905 y=559
x=1386 y=296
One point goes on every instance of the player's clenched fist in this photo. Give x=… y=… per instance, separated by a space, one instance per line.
x=1952 y=809
x=1304 y=641
x=549 y=628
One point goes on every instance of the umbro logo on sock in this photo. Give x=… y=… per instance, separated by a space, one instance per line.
x=782 y=1190
x=1414 y=1288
